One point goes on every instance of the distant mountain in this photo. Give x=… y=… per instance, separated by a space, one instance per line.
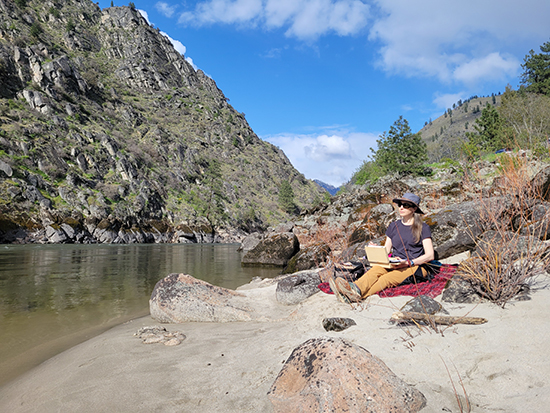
x=107 y=134
x=329 y=188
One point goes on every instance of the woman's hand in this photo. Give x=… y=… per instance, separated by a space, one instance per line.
x=399 y=265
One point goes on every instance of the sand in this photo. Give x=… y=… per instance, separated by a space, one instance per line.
x=503 y=365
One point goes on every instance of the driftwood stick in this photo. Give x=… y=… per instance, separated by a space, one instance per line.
x=437 y=319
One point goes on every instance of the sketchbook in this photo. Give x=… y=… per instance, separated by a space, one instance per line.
x=377 y=255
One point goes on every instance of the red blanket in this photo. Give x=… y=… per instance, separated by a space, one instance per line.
x=431 y=288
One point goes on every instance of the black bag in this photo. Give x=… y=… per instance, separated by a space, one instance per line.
x=349 y=270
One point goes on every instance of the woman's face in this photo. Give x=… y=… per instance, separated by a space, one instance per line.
x=406 y=209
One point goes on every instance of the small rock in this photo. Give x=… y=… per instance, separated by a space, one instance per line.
x=157 y=334
x=423 y=304
x=337 y=323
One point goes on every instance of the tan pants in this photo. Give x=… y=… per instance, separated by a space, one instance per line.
x=378 y=278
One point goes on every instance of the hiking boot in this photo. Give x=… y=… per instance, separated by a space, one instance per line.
x=349 y=289
x=339 y=296
x=345 y=291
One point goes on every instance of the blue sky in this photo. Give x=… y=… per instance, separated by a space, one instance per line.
x=322 y=79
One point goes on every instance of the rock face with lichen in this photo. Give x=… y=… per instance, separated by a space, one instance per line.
x=275 y=249
x=334 y=375
x=179 y=298
x=108 y=134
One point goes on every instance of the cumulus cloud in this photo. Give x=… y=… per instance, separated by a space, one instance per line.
x=449 y=41
x=330 y=158
x=490 y=67
x=165 y=9
x=328 y=147
x=302 y=19
x=454 y=43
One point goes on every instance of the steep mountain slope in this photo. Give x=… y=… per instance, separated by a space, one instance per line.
x=108 y=134
x=444 y=135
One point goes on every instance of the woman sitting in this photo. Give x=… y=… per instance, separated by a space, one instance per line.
x=409 y=240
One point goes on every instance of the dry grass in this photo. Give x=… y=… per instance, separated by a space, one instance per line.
x=511 y=253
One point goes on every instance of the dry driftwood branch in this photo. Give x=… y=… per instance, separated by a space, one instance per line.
x=438 y=319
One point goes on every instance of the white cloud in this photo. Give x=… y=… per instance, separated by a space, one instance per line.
x=190 y=61
x=327 y=148
x=144 y=15
x=330 y=158
x=176 y=43
x=165 y=9
x=303 y=19
x=445 y=101
x=490 y=67
x=454 y=41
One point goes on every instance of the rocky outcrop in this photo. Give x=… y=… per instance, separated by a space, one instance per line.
x=329 y=374
x=179 y=298
x=274 y=249
x=105 y=123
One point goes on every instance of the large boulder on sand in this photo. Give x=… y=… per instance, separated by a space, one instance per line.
x=179 y=298
x=334 y=375
x=275 y=249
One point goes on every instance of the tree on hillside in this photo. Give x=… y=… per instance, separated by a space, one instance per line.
x=536 y=75
x=401 y=151
x=489 y=134
x=286 y=197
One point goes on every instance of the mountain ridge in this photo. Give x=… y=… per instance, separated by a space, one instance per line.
x=106 y=131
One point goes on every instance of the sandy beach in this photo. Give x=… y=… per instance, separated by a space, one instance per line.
x=229 y=367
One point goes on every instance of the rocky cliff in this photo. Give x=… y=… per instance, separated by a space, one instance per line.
x=107 y=134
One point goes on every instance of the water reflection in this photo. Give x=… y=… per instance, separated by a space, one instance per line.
x=54 y=296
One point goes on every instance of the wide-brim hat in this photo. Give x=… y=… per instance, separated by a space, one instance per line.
x=413 y=199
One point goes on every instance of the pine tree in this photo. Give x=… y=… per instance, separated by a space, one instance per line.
x=536 y=75
x=286 y=197
x=401 y=151
x=489 y=127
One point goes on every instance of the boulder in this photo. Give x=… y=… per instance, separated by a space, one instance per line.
x=334 y=375
x=423 y=304
x=297 y=287
x=455 y=229
x=275 y=249
x=541 y=183
x=538 y=223
x=179 y=298
x=250 y=242
x=510 y=244
x=6 y=168
x=460 y=290
x=307 y=258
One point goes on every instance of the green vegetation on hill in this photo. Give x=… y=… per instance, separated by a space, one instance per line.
x=103 y=120
x=444 y=136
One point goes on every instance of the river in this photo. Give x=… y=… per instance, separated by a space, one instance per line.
x=53 y=297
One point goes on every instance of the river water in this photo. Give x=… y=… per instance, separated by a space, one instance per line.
x=53 y=297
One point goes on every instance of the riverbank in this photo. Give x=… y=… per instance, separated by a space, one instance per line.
x=230 y=367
